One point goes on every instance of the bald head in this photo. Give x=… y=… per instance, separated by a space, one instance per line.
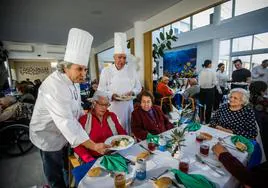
x=165 y=79
x=192 y=81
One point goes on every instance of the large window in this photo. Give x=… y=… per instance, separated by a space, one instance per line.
x=245 y=6
x=242 y=44
x=182 y=26
x=226 y=10
x=203 y=18
x=252 y=50
x=260 y=41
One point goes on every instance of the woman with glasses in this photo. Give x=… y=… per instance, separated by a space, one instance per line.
x=100 y=124
x=148 y=118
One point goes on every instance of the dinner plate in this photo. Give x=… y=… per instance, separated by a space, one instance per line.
x=124 y=98
x=109 y=142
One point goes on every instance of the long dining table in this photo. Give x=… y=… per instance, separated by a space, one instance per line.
x=161 y=161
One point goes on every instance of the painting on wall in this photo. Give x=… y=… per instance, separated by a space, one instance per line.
x=181 y=61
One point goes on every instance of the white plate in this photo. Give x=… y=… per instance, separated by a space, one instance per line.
x=125 y=98
x=109 y=141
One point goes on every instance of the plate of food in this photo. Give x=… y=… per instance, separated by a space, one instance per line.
x=124 y=98
x=120 y=142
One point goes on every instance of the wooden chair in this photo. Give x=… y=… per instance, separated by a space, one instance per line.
x=72 y=163
x=183 y=102
x=167 y=100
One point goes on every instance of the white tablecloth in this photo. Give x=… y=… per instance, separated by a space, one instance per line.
x=162 y=160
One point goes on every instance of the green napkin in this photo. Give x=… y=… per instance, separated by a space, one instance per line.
x=152 y=138
x=247 y=142
x=114 y=162
x=193 y=127
x=192 y=180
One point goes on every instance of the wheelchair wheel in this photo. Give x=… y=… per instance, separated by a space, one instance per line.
x=14 y=139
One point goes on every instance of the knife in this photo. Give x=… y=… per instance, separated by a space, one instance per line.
x=146 y=149
x=215 y=169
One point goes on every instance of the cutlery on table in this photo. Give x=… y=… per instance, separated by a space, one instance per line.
x=146 y=149
x=222 y=141
x=127 y=160
x=161 y=174
x=213 y=167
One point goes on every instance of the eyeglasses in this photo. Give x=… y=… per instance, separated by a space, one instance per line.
x=104 y=105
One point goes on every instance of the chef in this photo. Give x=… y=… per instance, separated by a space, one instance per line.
x=54 y=121
x=120 y=80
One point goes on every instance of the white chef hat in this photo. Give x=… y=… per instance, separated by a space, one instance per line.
x=78 y=47
x=120 y=43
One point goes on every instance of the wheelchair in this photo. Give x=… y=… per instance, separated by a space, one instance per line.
x=14 y=137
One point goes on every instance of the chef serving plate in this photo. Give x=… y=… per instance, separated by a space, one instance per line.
x=124 y=98
x=120 y=142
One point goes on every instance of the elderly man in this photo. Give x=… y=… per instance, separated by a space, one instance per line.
x=162 y=87
x=260 y=72
x=193 y=89
x=98 y=120
x=120 y=83
x=54 y=123
x=240 y=75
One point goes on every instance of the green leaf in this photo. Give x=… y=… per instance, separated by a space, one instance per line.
x=163 y=46
x=169 y=45
x=158 y=40
x=154 y=45
x=171 y=31
x=160 y=52
x=174 y=38
x=162 y=36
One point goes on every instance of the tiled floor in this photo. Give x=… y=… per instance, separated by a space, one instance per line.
x=22 y=172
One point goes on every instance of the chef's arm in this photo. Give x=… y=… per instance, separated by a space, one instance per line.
x=98 y=147
x=103 y=84
x=59 y=108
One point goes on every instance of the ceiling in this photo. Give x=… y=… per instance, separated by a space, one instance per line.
x=39 y=21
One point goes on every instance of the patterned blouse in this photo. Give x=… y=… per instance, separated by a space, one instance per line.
x=241 y=122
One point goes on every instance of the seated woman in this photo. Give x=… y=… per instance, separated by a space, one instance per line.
x=236 y=117
x=100 y=124
x=148 y=118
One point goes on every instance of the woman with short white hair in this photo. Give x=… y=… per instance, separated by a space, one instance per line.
x=236 y=116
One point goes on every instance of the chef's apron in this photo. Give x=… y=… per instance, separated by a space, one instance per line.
x=121 y=84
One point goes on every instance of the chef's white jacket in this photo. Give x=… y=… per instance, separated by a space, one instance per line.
x=120 y=82
x=55 y=117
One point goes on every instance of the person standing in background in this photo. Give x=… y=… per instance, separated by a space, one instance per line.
x=207 y=82
x=260 y=72
x=241 y=75
x=222 y=79
x=118 y=80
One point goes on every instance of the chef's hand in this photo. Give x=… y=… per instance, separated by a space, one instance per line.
x=114 y=96
x=101 y=148
x=218 y=149
x=130 y=93
x=223 y=129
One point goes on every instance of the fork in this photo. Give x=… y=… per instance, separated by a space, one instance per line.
x=156 y=177
x=222 y=141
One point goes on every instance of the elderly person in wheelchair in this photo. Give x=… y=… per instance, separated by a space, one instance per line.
x=14 y=130
x=236 y=116
x=100 y=124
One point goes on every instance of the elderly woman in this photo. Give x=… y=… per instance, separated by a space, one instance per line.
x=100 y=124
x=236 y=117
x=148 y=118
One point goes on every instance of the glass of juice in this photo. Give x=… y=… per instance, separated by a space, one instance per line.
x=184 y=165
x=120 y=180
x=204 y=149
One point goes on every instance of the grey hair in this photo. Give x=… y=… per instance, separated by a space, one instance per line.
x=62 y=65
x=99 y=94
x=245 y=95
